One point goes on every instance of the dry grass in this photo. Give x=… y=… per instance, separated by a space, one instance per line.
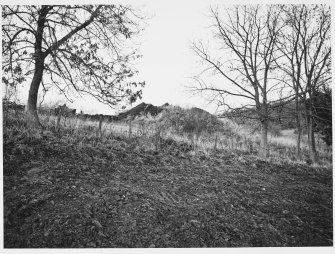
x=236 y=138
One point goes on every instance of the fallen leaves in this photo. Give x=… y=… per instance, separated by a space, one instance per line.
x=97 y=224
x=35 y=170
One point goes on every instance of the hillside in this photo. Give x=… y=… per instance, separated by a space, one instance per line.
x=281 y=115
x=74 y=189
x=140 y=110
x=144 y=109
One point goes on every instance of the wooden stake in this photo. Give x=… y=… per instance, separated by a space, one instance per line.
x=216 y=141
x=100 y=126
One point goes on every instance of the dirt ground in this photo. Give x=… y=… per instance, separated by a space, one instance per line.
x=62 y=192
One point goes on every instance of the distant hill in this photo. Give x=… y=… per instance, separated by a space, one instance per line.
x=144 y=109
x=200 y=111
x=141 y=110
x=282 y=114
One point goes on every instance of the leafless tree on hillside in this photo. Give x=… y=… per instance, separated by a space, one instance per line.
x=305 y=45
x=250 y=34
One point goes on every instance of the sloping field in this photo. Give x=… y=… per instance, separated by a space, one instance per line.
x=82 y=192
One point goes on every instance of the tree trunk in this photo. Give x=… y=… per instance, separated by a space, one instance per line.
x=311 y=138
x=309 y=105
x=299 y=129
x=264 y=139
x=299 y=142
x=32 y=117
x=264 y=120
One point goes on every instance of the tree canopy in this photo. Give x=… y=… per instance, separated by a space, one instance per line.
x=79 y=49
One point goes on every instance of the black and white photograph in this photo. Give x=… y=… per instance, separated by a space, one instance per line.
x=132 y=125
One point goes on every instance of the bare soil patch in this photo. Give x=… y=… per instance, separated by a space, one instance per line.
x=66 y=193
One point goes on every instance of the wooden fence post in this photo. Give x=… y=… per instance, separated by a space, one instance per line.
x=156 y=139
x=216 y=142
x=59 y=116
x=130 y=127
x=100 y=126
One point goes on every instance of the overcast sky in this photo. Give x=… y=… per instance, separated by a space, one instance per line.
x=167 y=61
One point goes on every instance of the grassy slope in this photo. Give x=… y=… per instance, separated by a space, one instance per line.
x=76 y=191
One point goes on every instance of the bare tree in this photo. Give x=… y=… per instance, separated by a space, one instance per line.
x=316 y=44
x=305 y=44
x=247 y=36
x=74 y=48
x=291 y=63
